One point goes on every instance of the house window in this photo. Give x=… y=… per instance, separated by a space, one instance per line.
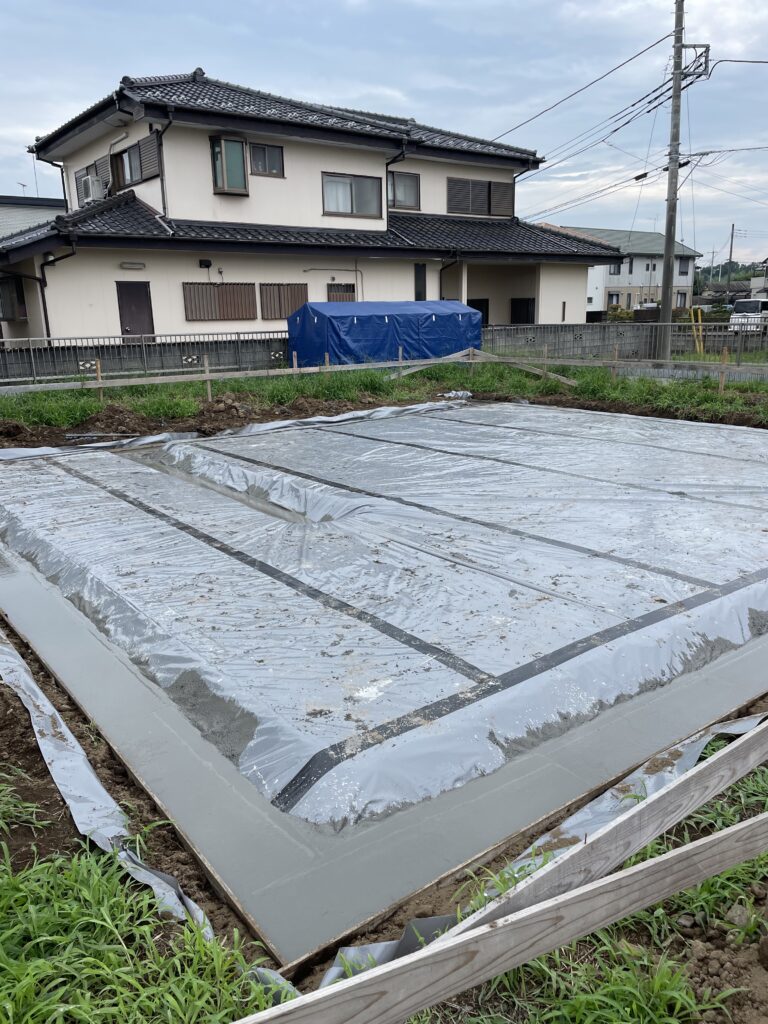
x=615 y=268
x=13 y=305
x=403 y=190
x=614 y=298
x=654 y=266
x=219 y=301
x=589 y=300
x=340 y=292
x=267 y=160
x=351 y=195
x=630 y=265
x=126 y=167
x=228 y=162
x=684 y=264
x=628 y=304
x=682 y=298
x=420 y=282
x=278 y=301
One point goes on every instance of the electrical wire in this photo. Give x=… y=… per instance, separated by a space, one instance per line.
x=583 y=88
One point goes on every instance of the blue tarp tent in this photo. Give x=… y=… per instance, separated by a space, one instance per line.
x=369 y=332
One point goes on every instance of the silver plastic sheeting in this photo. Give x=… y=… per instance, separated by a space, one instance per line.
x=365 y=611
x=96 y=815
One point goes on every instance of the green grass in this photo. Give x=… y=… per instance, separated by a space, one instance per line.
x=171 y=402
x=14 y=811
x=81 y=944
x=625 y=973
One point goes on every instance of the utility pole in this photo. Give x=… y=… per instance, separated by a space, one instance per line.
x=670 y=230
x=730 y=262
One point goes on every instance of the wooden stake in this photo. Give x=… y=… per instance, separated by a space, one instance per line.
x=98 y=377
x=614 y=368
x=207 y=370
x=723 y=360
x=400 y=360
x=327 y=360
x=546 y=372
x=295 y=363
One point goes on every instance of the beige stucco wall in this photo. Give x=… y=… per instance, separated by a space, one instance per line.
x=560 y=283
x=34 y=325
x=82 y=297
x=295 y=199
x=434 y=176
x=499 y=284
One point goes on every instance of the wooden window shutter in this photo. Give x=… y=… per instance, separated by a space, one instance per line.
x=150 y=156
x=79 y=175
x=459 y=195
x=278 y=301
x=503 y=198
x=479 y=196
x=102 y=171
x=219 y=301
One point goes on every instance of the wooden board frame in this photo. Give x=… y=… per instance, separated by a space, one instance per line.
x=389 y=994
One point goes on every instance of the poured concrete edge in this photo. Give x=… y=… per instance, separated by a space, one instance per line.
x=301 y=887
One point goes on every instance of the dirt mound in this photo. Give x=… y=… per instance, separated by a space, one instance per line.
x=115 y=419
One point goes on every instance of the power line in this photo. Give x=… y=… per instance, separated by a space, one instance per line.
x=727 y=192
x=601 y=193
x=583 y=88
x=735 y=149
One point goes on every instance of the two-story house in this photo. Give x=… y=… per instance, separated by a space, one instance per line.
x=636 y=277
x=196 y=205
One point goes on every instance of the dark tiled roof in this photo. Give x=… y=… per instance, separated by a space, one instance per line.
x=197 y=92
x=124 y=216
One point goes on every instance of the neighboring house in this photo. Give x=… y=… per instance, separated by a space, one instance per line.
x=19 y=212
x=759 y=285
x=721 y=292
x=196 y=205
x=636 y=277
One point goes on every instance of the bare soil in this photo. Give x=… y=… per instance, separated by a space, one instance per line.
x=163 y=846
x=225 y=412
x=233 y=411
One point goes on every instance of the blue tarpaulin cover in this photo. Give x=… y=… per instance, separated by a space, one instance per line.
x=367 y=332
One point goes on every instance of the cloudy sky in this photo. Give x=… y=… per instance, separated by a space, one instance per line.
x=476 y=66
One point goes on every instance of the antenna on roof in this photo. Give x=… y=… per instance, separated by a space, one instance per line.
x=23 y=186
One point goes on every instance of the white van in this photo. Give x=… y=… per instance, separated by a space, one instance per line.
x=749 y=315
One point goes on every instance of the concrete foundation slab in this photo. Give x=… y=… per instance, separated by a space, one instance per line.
x=347 y=657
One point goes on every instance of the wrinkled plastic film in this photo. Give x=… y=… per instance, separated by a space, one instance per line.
x=362 y=612
x=97 y=816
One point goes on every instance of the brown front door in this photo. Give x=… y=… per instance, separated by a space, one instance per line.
x=135 y=306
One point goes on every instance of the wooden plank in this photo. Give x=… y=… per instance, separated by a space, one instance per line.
x=175 y=378
x=528 y=367
x=755 y=369
x=611 y=845
x=456 y=357
x=391 y=993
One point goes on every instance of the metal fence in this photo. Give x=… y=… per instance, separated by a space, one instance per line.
x=638 y=347
x=45 y=359
x=693 y=348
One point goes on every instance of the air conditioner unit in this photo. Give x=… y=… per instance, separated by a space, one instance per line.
x=93 y=188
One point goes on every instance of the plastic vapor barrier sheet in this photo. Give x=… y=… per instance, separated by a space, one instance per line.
x=362 y=613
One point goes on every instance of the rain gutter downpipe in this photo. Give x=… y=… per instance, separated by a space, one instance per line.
x=447 y=266
x=160 y=134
